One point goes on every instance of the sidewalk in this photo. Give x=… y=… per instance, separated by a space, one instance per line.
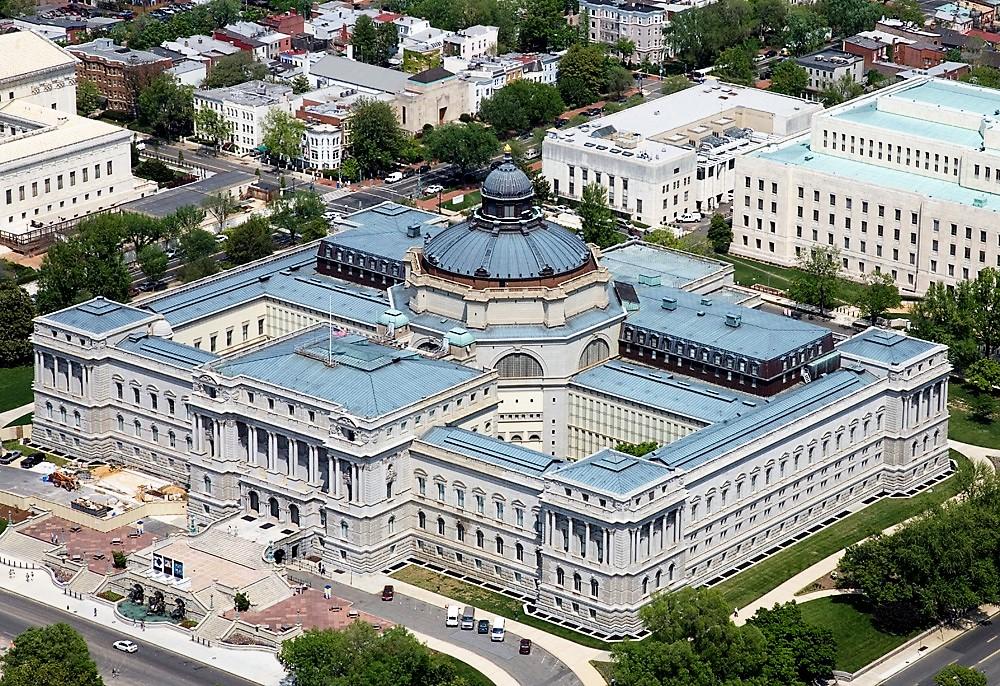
x=255 y=665
x=976 y=453
x=10 y=415
x=575 y=656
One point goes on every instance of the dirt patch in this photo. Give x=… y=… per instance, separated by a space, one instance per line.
x=826 y=582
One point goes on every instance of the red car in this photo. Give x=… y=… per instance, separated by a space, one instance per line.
x=388 y=592
x=525 y=647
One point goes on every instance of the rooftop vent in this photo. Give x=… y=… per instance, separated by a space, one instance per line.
x=669 y=304
x=413 y=231
x=701 y=313
x=733 y=320
x=707 y=302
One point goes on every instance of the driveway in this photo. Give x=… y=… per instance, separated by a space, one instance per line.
x=541 y=668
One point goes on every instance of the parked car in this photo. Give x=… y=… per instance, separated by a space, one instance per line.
x=10 y=457
x=771 y=53
x=220 y=238
x=483 y=626
x=388 y=593
x=433 y=189
x=394 y=177
x=31 y=461
x=561 y=122
x=408 y=172
x=424 y=168
x=594 y=112
x=690 y=217
x=126 y=646
x=171 y=253
x=525 y=647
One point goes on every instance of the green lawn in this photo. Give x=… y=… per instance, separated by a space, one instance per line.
x=858 y=641
x=469 y=675
x=489 y=601
x=15 y=387
x=747 y=586
x=961 y=427
x=23 y=420
x=606 y=669
x=749 y=272
x=470 y=199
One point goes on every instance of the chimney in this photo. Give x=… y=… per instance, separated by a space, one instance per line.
x=669 y=304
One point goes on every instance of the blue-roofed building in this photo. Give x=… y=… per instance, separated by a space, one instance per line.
x=98 y=316
x=166 y=351
x=613 y=473
x=888 y=349
x=368 y=246
x=902 y=181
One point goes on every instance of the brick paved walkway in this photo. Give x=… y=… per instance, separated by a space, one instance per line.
x=88 y=542
x=310 y=609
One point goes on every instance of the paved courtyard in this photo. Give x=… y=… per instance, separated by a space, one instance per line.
x=313 y=611
x=88 y=545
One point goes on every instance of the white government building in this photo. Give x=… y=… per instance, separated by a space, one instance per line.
x=904 y=181
x=55 y=167
x=672 y=155
x=405 y=390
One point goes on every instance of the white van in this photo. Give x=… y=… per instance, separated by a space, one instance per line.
x=468 y=618
x=394 y=177
x=453 y=612
x=499 y=629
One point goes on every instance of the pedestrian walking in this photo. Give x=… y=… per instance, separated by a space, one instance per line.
x=95 y=611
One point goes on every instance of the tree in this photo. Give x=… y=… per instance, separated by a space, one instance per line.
x=153 y=262
x=300 y=84
x=119 y=559
x=595 y=215
x=16 y=313
x=376 y=137
x=364 y=39
x=720 y=233
x=16 y=8
x=198 y=248
x=221 y=206
x=302 y=213
x=878 y=296
x=521 y=105
x=213 y=126
x=804 y=29
x=789 y=78
x=582 y=74
x=982 y=408
x=736 y=65
x=675 y=84
x=235 y=69
x=841 y=90
x=88 y=97
x=957 y=675
x=953 y=55
x=618 y=80
x=813 y=650
x=139 y=230
x=816 y=282
x=771 y=17
x=637 y=449
x=166 y=107
x=54 y=655
x=283 y=135
x=848 y=17
x=624 y=48
x=469 y=146
x=184 y=219
x=249 y=241
x=700 y=34
x=543 y=26
x=965 y=318
x=983 y=375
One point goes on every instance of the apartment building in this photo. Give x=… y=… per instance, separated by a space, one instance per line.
x=245 y=107
x=902 y=181
x=641 y=23
x=119 y=73
x=826 y=67
x=672 y=155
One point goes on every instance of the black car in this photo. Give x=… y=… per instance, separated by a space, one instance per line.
x=31 y=461
x=561 y=121
x=483 y=626
x=424 y=168
x=408 y=172
x=524 y=648
x=771 y=53
x=594 y=112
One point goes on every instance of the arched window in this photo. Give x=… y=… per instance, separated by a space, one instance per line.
x=440 y=526
x=480 y=539
x=172 y=439
x=121 y=420
x=76 y=420
x=659 y=577
x=518 y=366
x=670 y=573
x=155 y=430
x=62 y=414
x=645 y=585
x=138 y=427
x=421 y=520
x=293 y=514
x=519 y=552
x=499 y=545
x=343 y=530
x=208 y=485
x=596 y=352
x=577 y=582
x=392 y=525
x=254 y=501
x=460 y=531
x=48 y=410
x=560 y=576
x=594 y=588
x=272 y=506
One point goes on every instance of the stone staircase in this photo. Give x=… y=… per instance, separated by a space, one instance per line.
x=213 y=627
x=23 y=547
x=86 y=581
x=232 y=548
x=266 y=592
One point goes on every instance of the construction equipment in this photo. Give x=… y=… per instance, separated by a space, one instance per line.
x=62 y=480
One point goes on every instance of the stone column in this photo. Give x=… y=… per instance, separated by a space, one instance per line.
x=293 y=455
x=313 y=464
x=663 y=533
x=337 y=476
x=197 y=433
x=356 y=482
x=272 y=451
x=586 y=540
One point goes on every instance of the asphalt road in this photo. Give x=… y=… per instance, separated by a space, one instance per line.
x=413 y=186
x=541 y=668
x=151 y=666
x=979 y=648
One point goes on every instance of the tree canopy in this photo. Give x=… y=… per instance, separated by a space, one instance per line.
x=816 y=282
x=841 y=90
x=789 y=78
x=720 y=233
x=958 y=675
x=249 y=241
x=878 y=296
x=469 y=146
x=145 y=32
x=213 y=126
x=374 y=43
x=166 y=107
x=735 y=64
x=596 y=217
x=520 y=105
x=637 y=449
x=300 y=213
x=88 y=97
x=233 y=70
x=54 y=655
x=282 y=135
x=376 y=137
x=16 y=313
x=583 y=73
x=153 y=263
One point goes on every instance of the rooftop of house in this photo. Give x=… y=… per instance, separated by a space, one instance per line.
x=249 y=94
x=828 y=60
x=666 y=391
x=614 y=473
x=636 y=261
x=97 y=316
x=360 y=74
x=782 y=411
x=169 y=200
x=364 y=378
x=108 y=50
x=890 y=348
x=717 y=323
x=24 y=52
x=507 y=456
x=382 y=229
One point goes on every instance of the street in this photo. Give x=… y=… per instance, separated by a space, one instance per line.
x=151 y=666
x=978 y=648
x=396 y=192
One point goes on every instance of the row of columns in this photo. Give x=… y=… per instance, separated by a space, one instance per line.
x=62 y=372
x=923 y=403
x=644 y=540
